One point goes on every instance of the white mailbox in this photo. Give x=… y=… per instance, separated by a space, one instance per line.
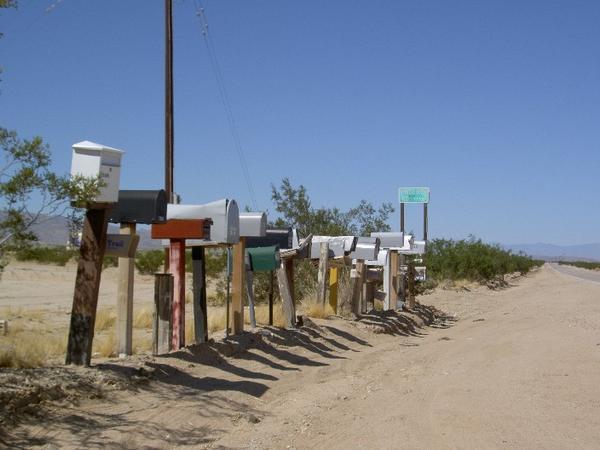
x=253 y=224
x=367 y=248
x=92 y=160
x=224 y=213
x=338 y=245
x=390 y=239
x=420 y=247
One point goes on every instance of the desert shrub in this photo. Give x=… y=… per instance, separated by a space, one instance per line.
x=46 y=255
x=582 y=264
x=472 y=259
x=149 y=261
x=215 y=264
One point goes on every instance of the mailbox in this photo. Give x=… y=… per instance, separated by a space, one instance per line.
x=367 y=248
x=391 y=239
x=263 y=259
x=282 y=237
x=145 y=207
x=253 y=224
x=224 y=214
x=338 y=245
x=93 y=160
x=420 y=247
x=182 y=229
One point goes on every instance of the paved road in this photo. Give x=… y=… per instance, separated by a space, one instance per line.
x=583 y=274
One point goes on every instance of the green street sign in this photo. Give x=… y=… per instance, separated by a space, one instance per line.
x=413 y=194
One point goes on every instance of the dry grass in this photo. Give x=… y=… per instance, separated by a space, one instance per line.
x=143 y=319
x=262 y=315
x=142 y=344
x=11 y=313
x=105 y=319
x=216 y=319
x=25 y=348
x=105 y=345
x=378 y=305
x=313 y=308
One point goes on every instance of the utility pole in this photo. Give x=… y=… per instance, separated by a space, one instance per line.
x=169 y=132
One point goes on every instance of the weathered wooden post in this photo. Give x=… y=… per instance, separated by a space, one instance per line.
x=333 y=288
x=286 y=291
x=322 y=274
x=393 y=280
x=125 y=298
x=237 y=287
x=87 y=284
x=271 y=294
x=199 y=288
x=357 y=287
x=162 y=323
x=93 y=161
x=250 y=294
x=411 y=284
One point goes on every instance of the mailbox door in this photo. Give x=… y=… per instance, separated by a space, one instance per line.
x=110 y=175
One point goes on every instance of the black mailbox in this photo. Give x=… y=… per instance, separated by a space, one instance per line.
x=145 y=207
x=283 y=237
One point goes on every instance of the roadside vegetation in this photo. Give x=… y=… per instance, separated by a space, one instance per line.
x=590 y=265
x=473 y=260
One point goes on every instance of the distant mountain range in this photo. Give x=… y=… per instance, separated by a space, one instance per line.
x=551 y=252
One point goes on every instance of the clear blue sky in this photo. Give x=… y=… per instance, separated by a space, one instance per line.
x=494 y=105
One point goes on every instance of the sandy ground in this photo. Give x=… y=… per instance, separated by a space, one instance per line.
x=518 y=367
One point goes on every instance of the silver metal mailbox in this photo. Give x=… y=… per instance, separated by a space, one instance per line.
x=338 y=245
x=91 y=160
x=224 y=214
x=367 y=248
x=420 y=247
x=253 y=224
x=390 y=239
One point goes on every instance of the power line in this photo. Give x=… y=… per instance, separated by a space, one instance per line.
x=216 y=69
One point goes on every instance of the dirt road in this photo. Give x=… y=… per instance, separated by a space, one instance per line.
x=519 y=368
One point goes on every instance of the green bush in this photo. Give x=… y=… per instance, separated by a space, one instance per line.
x=110 y=261
x=472 y=259
x=583 y=264
x=150 y=261
x=46 y=255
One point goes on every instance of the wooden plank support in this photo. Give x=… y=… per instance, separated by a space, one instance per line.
x=162 y=324
x=322 y=274
x=392 y=292
x=87 y=283
x=271 y=294
x=411 y=284
x=177 y=269
x=401 y=283
x=357 y=287
x=199 y=290
x=125 y=298
x=237 y=287
x=333 y=288
x=285 y=290
x=250 y=294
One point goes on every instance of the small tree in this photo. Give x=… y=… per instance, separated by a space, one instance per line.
x=30 y=192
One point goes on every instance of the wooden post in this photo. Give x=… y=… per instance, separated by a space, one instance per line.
x=162 y=323
x=287 y=298
x=401 y=283
x=411 y=284
x=393 y=276
x=271 y=293
x=333 y=288
x=125 y=298
x=87 y=283
x=357 y=283
x=250 y=293
x=177 y=269
x=237 y=287
x=322 y=275
x=199 y=288
x=289 y=270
